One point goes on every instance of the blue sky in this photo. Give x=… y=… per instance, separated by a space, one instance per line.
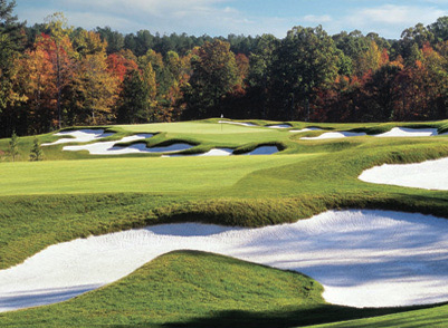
x=249 y=17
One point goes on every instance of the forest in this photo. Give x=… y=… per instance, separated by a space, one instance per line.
x=54 y=75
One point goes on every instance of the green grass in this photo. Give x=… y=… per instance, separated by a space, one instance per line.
x=72 y=195
x=150 y=175
x=193 y=289
x=436 y=317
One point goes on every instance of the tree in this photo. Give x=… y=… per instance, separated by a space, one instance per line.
x=61 y=47
x=13 y=150
x=215 y=73
x=10 y=44
x=36 y=153
x=133 y=100
x=304 y=62
x=97 y=86
x=40 y=89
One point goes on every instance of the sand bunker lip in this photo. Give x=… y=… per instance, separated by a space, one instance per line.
x=362 y=258
x=431 y=175
x=84 y=135
x=394 y=133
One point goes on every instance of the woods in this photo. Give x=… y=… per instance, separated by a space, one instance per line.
x=53 y=75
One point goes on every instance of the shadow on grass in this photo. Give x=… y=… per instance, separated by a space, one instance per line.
x=301 y=318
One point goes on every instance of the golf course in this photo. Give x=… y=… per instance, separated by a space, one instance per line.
x=226 y=223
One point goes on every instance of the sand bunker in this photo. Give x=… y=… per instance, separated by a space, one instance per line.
x=395 y=132
x=305 y=130
x=426 y=175
x=408 y=132
x=363 y=258
x=279 y=126
x=263 y=150
x=335 y=135
x=211 y=152
x=109 y=148
x=85 y=135
x=237 y=123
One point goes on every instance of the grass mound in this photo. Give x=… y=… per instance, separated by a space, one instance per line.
x=194 y=289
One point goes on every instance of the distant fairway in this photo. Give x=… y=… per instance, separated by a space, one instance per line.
x=149 y=175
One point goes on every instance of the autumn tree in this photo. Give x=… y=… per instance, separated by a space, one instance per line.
x=60 y=46
x=40 y=89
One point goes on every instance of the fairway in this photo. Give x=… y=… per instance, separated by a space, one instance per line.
x=149 y=175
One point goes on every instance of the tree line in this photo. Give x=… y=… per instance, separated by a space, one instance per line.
x=53 y=75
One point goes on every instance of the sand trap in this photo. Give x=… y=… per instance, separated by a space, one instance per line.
x=109 y=148
x=363 y=258
x=426 y=175
x=395 y=132
x=237 y=123
x=335 y=135
x=85 y=135
x=279 y=126
x=408 y=132
x=211 y=152
x=263 y=150
x=305 y=130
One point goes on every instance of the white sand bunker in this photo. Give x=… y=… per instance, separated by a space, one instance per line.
x=305 y=130
x=363 y=258
x=395 y=132
x=426 y=175
x=211 y=152
x=85 y=135
x=335 y=135
x=408 y=132
x=279 y=126
x=110 y=148
x=237 y=123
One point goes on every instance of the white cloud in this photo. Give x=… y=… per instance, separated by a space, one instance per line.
x=317 y=19
x=391 y=20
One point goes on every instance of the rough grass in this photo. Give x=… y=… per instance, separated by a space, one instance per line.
x=59 y=200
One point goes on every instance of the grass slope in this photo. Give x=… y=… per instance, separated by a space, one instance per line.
x=194 y=289
x=436 y=317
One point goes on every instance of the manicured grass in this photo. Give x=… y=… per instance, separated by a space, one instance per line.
x=151 y=175
x=73 y=195
x=436 y=317
x=193 y=289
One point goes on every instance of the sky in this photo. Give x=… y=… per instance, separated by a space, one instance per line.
x=249 y=17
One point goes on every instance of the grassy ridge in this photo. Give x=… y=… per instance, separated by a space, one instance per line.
x=194 y=289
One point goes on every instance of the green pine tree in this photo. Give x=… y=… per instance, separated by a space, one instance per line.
x=13 y=150
x=36 y=153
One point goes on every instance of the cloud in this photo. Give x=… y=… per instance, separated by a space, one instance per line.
x=391 y=20
x=317 y=19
